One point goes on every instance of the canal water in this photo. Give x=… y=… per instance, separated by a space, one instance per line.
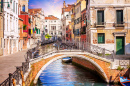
x=62 y=74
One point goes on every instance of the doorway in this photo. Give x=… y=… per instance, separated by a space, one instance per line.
x=120 y=45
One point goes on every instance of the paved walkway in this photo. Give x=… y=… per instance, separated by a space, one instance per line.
x=9 y=63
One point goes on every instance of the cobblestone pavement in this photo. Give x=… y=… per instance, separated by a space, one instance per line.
x=9 y=63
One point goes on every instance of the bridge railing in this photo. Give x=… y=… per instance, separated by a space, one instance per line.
x=84 y=46
x=16 y=75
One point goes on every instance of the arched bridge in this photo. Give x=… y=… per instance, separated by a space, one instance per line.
x=94 y=58
x=98 y=62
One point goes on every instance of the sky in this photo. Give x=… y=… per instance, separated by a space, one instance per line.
x=50 y=7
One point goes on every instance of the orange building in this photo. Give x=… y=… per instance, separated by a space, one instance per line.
x=20 y=34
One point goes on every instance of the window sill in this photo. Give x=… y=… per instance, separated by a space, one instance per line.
x=119 y=25
x=101 y=43
x=100 y=25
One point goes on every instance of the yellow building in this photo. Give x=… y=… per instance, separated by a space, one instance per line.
x=72 y=21
x=109 y=24
x=77 y=21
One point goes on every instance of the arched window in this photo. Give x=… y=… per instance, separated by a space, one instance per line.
x=23 y=8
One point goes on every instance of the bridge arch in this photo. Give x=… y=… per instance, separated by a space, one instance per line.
x=74 y=56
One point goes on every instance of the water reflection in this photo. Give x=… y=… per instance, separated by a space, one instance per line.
x=62 y=74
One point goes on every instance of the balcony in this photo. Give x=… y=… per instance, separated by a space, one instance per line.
x=100 y=24
x=119 y=24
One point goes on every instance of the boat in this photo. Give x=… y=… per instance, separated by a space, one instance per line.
x=124 y=81
x=67 y=60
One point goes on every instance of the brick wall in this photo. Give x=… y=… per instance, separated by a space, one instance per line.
x=36 y=67
x=111 y=73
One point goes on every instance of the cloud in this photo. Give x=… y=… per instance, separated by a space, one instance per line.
x=55 y=1
x=32 y=5
x=50 y=7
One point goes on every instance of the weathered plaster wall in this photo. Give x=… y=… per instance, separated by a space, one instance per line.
x=109 y=39
x=110 y=1
x=110 y=7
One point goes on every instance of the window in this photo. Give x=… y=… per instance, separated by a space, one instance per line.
x=39 y=31
x=119 y=14
x=86 y=2
x=23 y=8
x=10 y=1
x=54 y=21
x=29 y=31
x=78 y=21
x=77 y=32
x=14 y=42
x=75 y=21
x=46 y=20
x=1 y=43
x=16 y=8
x=46 y=25
x=83 y=30
x=101 y=38
x=29 y=20
x=100 y=17
x=4 y=43
x=66 y=35
x=13 y=6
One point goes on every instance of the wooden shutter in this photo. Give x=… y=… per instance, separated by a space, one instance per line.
x=119 y=14
x=39 y=31
x=100 y=15
x=101 y=38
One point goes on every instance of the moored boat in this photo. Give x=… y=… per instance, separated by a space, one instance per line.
x=124 y=81
x=67 y=60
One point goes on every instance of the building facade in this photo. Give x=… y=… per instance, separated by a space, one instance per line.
x=10 y=26
x=65 y=18
x=53 y=26
x=69 y=33
x=72 y=23
x=77 y=22
x=108 y=25
x=20 y=28
x=39 y=19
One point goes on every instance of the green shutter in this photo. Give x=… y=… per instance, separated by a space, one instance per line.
x=39 y=31
x=119 y=14
x=100 y=15
x=101 y=38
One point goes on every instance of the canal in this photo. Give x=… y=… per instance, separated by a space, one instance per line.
x=62 y=74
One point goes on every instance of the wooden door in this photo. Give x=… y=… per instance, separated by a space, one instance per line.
x=120 y=45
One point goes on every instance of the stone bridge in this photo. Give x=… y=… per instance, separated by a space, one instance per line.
x=102 y=66
x=95 y=59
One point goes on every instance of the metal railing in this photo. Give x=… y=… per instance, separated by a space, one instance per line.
x=93 y=49
x=16 y=75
